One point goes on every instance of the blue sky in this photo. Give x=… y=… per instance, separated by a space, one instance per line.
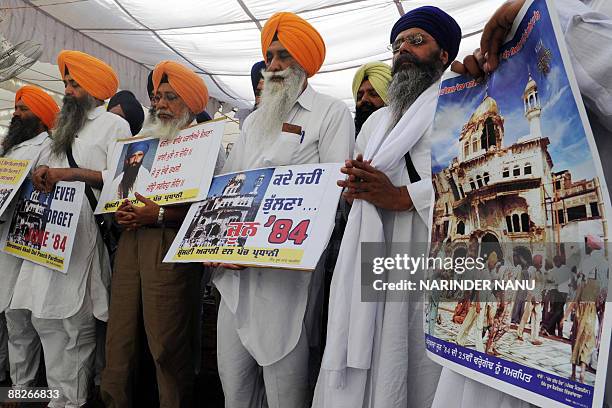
x=219 y=182
x=28 y=187
x=560 y=118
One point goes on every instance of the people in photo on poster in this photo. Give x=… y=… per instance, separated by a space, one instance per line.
x=133 y=173
x=517 y=143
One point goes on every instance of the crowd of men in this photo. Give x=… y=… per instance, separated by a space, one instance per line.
x=271 y=350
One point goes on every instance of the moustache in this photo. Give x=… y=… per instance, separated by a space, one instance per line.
x=69 y=99
x=405 y=58
x=366 y=107
x=16 y=121
x=276 y=75
x=163 y=112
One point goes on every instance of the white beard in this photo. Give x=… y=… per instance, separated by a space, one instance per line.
x=165 y=129
x=277 y=99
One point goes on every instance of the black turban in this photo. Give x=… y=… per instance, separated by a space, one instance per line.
x=203 y=117
x=150 y=83
x=131 y=109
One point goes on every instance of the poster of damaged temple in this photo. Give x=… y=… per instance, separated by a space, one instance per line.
x=232 y=198
x=30 y=215
x=518 y=181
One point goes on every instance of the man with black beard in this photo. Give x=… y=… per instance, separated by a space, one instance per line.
x=375 y=355
x=62 y=307
x=134 y=176
x=27 y=136
x=370 y=91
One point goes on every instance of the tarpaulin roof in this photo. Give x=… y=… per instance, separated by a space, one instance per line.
x=220 y=39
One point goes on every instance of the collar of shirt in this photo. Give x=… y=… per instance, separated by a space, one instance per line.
x=35 y=141
x=307 y=97
x=96 y=112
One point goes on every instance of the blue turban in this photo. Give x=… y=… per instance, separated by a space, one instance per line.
x=442 y=27
x=256 y=74
x=137 y=147
x=203 y=117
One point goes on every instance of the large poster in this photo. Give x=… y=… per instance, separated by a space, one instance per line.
x=12 y=174
x=165 y=171
x=43 y=226
x=278 y=217
x=519 y=184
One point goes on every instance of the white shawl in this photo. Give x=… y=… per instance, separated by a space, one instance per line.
x=351 y=323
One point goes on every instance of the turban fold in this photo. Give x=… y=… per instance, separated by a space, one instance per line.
x=92 y=74
x=186 y=83
x=442 y=27
x=137 y=147
x=39 y=102
x=131 y=109
x=256 y=75
x=303 y=42
x=379 y=75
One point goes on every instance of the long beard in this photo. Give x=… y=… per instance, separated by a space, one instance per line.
x=362 y=114
x=129 y=178
x=277 y=99
x=165 y=129
x=19 y=131
x=70 y=121
x=410 y=81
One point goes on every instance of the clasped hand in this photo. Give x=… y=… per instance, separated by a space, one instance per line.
x=363 y=181
x=131 y=217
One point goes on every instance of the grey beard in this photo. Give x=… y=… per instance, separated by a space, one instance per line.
x=150 y=119
x=70 y=121
x=19 y=131
x=408 y=83
x=166 y=130
x=277 y=99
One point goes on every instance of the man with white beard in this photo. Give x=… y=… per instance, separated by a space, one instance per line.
x=375 y=354
x=63 y=307
x=268 y=318
x=587 y=34
x=164 y=296
x=35 y=113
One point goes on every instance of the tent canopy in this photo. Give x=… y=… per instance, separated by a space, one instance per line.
x=219 y=39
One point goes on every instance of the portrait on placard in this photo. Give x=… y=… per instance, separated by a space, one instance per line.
x=133 y=172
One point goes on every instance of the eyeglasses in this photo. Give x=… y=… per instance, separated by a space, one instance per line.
x=414 y=40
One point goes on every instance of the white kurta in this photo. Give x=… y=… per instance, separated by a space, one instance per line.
x=588 y=36
x=396 y=373
x=49 y=294
x=270 y=304
x=9 y=264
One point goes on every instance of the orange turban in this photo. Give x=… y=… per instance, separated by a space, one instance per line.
x=40 y=103
x=92 y=74
x=187 y=84
x=303 y=42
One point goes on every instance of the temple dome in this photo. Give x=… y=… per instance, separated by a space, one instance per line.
x=531 y=85
x=487 y=106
